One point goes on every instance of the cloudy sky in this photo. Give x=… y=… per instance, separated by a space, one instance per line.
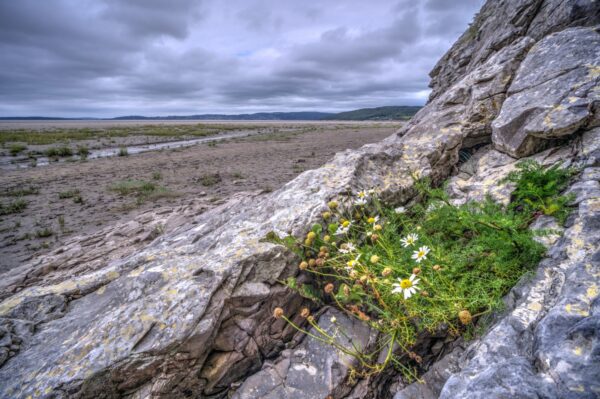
x=105 y=58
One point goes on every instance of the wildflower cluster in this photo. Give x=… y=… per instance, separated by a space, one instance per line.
x=432 y=268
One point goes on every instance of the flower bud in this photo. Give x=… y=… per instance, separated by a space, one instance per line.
x=303 y=265
x=277 y=313
x=304 y=313
x=465 y=317
x=374 y=259
x=332 y=204
x=377 y=227
x=386 y=272
x=311 y=262
x=319 y=262
x=416 y=270
x=326 y=215
x=329 y=288
x=327 y=238
x=311 y=235
x=437 y=267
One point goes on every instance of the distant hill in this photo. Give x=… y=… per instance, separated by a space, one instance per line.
x=403 y=112
x=365 y=114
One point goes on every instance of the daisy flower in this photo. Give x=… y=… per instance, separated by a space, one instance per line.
x=341 y=230
x=351 y=263
x=400 y=209
x=420 y=254
x=347 y=248
x=373 y=220
x=407 y=286
x=409 y=240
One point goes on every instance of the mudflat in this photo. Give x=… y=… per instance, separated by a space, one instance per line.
x=67 y=201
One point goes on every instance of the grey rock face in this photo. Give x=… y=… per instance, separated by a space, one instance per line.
x=546 y=346
x=554 y=93
x=313 y=369
x=189 y=315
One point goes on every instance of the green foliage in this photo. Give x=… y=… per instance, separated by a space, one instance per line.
x=16 y=148
x=538 y=188
x=210 y=179
x=141 y=190
x=432 y=269
x=21 y=191
x=51 y=136
x=44 y=233
x=16 y=206
x=123 y=152
x=83 y=151
x=57 y=152
x=68 y=194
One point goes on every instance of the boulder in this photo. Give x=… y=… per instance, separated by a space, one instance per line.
x=554 y=93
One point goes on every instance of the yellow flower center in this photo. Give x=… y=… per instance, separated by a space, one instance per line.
x=421 y=254
x=371 y=220
x=406 y=283
x=346 y=223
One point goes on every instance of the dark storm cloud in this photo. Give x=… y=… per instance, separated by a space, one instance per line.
x=114 y=57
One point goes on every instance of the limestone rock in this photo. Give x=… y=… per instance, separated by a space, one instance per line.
x=554 y=93
x=312 y=369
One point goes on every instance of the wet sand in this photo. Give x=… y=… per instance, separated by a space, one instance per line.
x=210 y=172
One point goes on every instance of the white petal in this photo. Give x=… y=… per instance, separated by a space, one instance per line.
x=406 y=294
x=412 y=277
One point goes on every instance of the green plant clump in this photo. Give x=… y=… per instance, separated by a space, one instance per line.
x=538 y=189
x=141 y=190
x=16 y=206
x=57 y=152
x=432 y=269
x=16 y=149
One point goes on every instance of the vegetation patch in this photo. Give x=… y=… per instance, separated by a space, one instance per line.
x=141 y=190
x=16 y=206
x=209 y=179
x=58 y=152
x=16 y=149
x=433 y=269
x=21 y=191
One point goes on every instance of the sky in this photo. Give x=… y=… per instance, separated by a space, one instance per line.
x=105 y=58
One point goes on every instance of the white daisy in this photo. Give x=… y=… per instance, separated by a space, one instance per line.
x=352 y=263
x=407 y=286
x=341 y=230
x=420 y=254
x=400 y=209
x=409 y=240
x=347 y=248
x=360 y=201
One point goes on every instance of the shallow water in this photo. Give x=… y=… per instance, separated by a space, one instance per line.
x=20 y=162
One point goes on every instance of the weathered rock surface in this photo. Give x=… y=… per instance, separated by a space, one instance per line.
x=312 y=369
x=555 y=92
x=534 y=349
x=190 y=314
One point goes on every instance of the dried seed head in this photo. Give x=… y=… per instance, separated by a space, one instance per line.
x=319 y=262
x=329 y=288
x=304 y=313
x=324 y=249
x=416 y=270
x=303 y=265
x=424 y=293
x=374 y=259
x=311 y=262
x=327 y=238
x=465 y=317
x=386 y=272
x=346 y=290
x=437 y=267
x=374 y=237
x=277 y=313
x=377 y=227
